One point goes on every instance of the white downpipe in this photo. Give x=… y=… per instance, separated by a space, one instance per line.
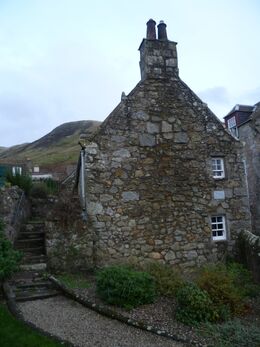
x=82 y=183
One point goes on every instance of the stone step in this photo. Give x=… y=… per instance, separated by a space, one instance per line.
x=30 y=235
x=32 y=250
x=34 y=266
x=32 y=227
x=33 y=285
x=29 y=295
x=34 y=259
x=28 y=244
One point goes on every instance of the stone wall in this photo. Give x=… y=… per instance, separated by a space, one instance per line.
x=248 y=251
x=150 y=190
x=69 y=245
x=249 y=133
x=14 y=210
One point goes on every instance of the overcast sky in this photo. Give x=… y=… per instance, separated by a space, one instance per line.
x=68 y=60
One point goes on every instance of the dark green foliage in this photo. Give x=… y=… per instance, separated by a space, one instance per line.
x=194 y=305
x=14 y=333
x=42 y=189
x=73 y=281
x=231 y=334
x=23 y=181
x=52 y=186
x=167 y=279
x=243 y=280
x=122 y=286
x=9 y=258
x=220 y=285
x=39 y=190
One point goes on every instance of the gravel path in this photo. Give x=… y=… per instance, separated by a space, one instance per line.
x=83 y=327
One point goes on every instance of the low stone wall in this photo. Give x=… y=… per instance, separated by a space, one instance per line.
x=14 y=210
x=249 y=252
x=69 y=245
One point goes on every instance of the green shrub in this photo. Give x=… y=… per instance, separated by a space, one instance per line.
x=23 y=181
x=243 y=280
x=219 y=284
x=39 y=190
x=122 y=286
x=9 y=258
x=194 y=305
x=167 y=279
x=231 y=334
x=52 y=186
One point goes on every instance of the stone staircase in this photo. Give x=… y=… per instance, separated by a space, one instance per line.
x=31 y=242
x=32 y=285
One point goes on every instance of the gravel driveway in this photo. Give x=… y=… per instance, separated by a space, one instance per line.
x=83 y=327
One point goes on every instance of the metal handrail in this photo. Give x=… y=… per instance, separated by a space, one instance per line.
x=17 y=209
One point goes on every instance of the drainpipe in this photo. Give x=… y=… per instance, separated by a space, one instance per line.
x=82 y=181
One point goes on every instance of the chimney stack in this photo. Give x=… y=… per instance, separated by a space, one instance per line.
x=162 y=33
x=150 y=32
x=158 y=57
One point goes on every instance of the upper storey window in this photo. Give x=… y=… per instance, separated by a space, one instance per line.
x=218 y=167
x=232 y=126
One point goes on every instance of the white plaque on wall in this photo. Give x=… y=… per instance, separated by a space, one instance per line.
x=219 y=194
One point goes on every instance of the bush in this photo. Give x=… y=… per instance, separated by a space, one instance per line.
x=231 y=334
x=22 y=181
x=194 y=305
x=220 y=286
x=243 y=280
x=9 y=258
x=39 y=190
x=167 y=279
x=122 y=286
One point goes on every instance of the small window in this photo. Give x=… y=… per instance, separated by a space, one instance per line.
x=218 y=167
x=16 y=170
x=232 y=126
x=218 y=228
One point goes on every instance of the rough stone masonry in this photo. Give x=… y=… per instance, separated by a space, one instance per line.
x=164 y=179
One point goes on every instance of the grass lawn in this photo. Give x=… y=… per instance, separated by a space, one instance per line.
x=14 y=333
x=73 y=281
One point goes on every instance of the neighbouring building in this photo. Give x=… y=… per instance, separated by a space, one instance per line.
x=13 y=166
x=244 y=122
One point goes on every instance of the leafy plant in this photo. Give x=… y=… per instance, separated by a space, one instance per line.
x=231 y=334
x=9 y=258
x=220 y=286
x=122 y=286
x=194 y=305
x=243 y=280
x=39 y=190
x=167 y=279
x=23 y=181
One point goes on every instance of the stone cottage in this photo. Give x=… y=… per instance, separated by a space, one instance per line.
x=243 y=121
x=164 y=180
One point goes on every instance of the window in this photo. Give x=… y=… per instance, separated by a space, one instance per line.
x=232 y=126
x=16 y=170
x=218 y=167
x=218 y=228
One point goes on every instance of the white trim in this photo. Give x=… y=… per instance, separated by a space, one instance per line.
x=217 y=165
x=218 y=227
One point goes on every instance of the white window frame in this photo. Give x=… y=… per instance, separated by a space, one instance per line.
x=16 y=170
x=218 y=227
x=232 y=126
x=217 y=166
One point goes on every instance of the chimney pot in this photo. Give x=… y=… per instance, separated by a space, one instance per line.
x=151 y=32
x=162 y=33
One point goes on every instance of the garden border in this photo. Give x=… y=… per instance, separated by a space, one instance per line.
x=117 y=316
